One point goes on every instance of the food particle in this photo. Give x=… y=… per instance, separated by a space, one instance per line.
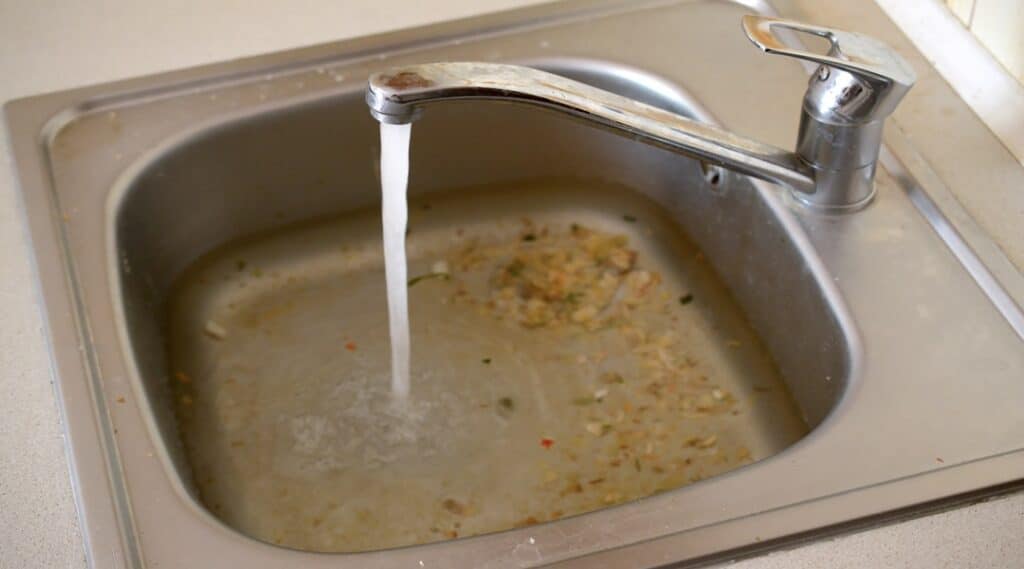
x=623 y=259
x=453 y=506
x=585 y=314
x=182 y=377
x=214 y=330
x=629 y=218
x=598 y=429
x=351 y=346
x=486 y=361
x=530 y=521
x=546 y=442
x=440 y=268
x=120 y=399
x=686 y=299
x=707 y=442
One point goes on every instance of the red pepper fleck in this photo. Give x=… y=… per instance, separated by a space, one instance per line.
x=546 y=442
x=351 y=346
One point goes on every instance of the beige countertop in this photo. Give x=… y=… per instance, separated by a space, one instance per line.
x=46 y=46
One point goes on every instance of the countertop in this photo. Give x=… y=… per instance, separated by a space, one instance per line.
x=47 y=46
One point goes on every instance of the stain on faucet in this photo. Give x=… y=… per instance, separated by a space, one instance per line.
x=407 y=80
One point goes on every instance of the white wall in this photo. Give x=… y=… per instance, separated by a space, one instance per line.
x=999 y=25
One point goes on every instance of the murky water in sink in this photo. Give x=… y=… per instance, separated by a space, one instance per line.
x=531 y=400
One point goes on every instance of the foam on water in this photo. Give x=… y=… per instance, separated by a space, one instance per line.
x=394 y=178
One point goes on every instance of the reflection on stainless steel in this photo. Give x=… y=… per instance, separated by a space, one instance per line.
x=904 y=369
x=859 y=83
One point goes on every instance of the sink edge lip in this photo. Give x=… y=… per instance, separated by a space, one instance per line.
x=973 y=248
x=907 y=502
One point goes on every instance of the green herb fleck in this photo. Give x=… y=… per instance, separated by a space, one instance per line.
x=486 y=361
x=529 y=237
x=686 y=299
x=423 y=277
x=629 y=218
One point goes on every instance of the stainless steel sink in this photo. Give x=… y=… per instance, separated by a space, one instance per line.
x=902 y=356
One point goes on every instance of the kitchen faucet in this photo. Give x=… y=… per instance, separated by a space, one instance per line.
x=857 y=84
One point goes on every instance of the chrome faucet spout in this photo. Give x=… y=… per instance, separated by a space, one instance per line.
x=840 y=127
x=399 y=96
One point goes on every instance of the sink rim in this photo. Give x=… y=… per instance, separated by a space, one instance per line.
x=772 y=200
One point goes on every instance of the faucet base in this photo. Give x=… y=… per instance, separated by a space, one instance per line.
x=839 y=191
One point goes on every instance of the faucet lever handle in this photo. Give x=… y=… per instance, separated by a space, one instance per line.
x=883 y=76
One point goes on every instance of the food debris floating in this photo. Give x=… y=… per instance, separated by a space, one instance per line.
x=214 y=330
x=555 y=376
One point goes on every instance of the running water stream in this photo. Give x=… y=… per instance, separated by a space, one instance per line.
x=394 y=179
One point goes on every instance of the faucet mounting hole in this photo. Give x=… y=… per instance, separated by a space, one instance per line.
x=714 y=175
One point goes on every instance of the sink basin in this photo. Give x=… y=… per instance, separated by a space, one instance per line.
x=876 y=372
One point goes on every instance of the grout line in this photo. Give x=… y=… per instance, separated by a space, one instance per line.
x=977 y=77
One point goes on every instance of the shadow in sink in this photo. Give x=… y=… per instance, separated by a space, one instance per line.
x=252 y=290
